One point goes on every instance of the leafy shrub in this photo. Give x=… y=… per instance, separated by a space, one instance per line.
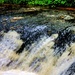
x=40 y=2
x=1 y=1
x=15 y=1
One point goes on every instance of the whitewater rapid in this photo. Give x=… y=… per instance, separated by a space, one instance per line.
x=39 y=58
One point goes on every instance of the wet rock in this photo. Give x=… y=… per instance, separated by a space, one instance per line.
x=5 y=25
x=4 y=28
x=67 y=17
x=32 y=9
x=65 y=38
x=14 y=19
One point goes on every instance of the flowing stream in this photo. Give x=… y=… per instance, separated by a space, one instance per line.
x=43 y=43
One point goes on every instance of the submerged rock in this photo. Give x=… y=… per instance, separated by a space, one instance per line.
x=4 y=28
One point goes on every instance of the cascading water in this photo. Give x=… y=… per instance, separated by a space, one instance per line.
x=42 y=49
x=40 y=55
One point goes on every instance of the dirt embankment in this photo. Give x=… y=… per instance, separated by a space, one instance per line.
x=14 y=8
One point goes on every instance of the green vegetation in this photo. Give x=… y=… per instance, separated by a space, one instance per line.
x=15 y=1
x=1 y=1
x=51 y=3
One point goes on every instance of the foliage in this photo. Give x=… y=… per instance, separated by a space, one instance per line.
x=42 y=2
x=1 y=1
x=15 y=1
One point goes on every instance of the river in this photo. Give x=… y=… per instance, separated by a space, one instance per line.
x=42 y=42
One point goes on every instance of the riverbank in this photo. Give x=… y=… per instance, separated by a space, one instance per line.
x=15 y=8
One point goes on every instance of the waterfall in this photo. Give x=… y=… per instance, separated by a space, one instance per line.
x=48 y=54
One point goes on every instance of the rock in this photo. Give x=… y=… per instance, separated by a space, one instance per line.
x=14 y=19
x=5 y=26
x=31 y=9
x=68 y=17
